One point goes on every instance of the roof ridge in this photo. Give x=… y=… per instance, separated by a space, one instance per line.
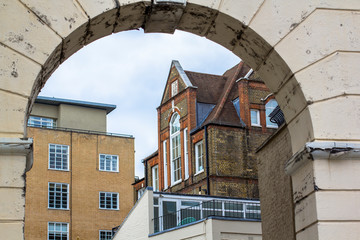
x=221 y=76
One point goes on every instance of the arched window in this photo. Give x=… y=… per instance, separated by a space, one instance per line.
x=175 y=146
x=269 y=107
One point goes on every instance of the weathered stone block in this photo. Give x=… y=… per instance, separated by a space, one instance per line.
x=225 y=31
x=291 y=99
x=132 y=16
x=303 y=180
x=252 y=48
x=301 y=130
x=17 y=72
x=274 y=71
x=26 y=34
x=197 y=19
x=328 y=118
x=332 y=76
x=96 y=7
x=306 y=212
x=12 y=114
x=12 y=171
x=12 y=230
x=243 y=11
x=337 y=174
x=310 y=41
x=62 y=16
x=12 y=204
x=284 y=17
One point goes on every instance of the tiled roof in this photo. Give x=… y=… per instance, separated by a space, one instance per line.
x=220 y=90
x=208 y=86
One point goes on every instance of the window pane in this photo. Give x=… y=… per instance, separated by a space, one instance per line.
x=58 y=157
x=108 y=163
x=269 y=107
x=108 y=200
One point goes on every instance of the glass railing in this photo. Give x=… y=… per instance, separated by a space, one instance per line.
x=236 y=209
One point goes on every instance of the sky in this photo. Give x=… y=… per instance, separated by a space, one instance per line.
x=130 y=69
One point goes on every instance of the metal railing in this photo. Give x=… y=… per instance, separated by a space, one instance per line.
x=81 y=131
x=226 y=209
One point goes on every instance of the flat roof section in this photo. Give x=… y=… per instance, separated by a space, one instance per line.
x=57 y=101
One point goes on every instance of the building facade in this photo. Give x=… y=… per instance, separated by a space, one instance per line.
x=79 y=186
x=209 y=127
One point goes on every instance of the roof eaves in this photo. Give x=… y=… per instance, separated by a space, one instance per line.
x=57 y=101
x=182 y=73
x=150 y=156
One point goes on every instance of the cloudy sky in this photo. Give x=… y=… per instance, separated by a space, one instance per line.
x=130 y=69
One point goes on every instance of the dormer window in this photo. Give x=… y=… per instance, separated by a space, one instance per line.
x=269 y=107
x=174 y=88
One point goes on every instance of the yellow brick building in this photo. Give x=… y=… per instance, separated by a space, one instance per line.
x=79 y=186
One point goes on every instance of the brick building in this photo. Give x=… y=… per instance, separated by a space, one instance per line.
x=79 y=186
x=209 y=127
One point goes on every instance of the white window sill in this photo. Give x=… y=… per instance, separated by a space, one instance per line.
x=109 y=209
x=66 y=209
x=108 y=171
x=64 y=170
x=176 y=183
x=271 y=126
x=253 y=125
x=197 y=173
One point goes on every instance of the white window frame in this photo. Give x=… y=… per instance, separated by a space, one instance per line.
x=257 y=118
x=60 y=155
x=174 y=88
x=111 y=160
x=155 y=177
x=117 y=200
x=186 y=154
x=268 y=109
x=58 y=231
x=165 y=164
x=173 y=136
x=61 y=195
x=199 y=157
x=36 y=121
x=106 y=232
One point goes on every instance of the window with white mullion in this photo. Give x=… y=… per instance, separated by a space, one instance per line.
x=255 y=117
x=41 y=122
x=58 y=157
x=109 y=200
x=58 y=231
x=155 y=177
x=176 y=157
x=199 y=157
x=58 y=196
x=175 y=146
x=165 y=164
x=105 y=235
x=109 y=163
x=186 y=154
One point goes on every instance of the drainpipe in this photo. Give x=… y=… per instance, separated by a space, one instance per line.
x=146 y=174
x=207 y=161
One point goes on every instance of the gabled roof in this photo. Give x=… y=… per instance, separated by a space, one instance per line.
x=177 y=69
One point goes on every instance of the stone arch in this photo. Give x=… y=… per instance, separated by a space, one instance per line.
x=291 y=44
